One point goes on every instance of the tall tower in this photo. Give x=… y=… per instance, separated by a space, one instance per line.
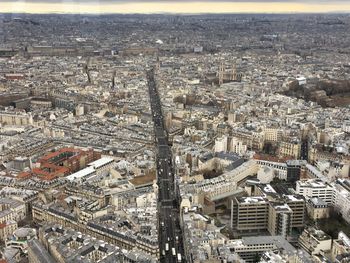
x=113 y=79
x=234 y=77
x=221 y=73
x=157 y=64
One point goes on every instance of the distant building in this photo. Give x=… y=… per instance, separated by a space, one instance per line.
x=19 y=163
x=72 y=158
x=198 y=49
x=134 y=51
x=272 y=134
x=16 y=118
x=279 y=168
x=301 y=80
x=346 y=126
x=40 y=103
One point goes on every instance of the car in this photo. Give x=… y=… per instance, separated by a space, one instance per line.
x=178 y=257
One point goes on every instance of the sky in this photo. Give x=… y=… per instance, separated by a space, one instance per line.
x=174 y=6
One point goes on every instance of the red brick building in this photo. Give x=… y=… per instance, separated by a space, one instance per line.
x=64 y=162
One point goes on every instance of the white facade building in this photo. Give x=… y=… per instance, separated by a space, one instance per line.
x=279 y=168
x=316 y=188
x=221 y=144
x=237 y=146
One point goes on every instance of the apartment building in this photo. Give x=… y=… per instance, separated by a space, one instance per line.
x=109 y=227
x=11 y=210
x=315 y=241
x=340 y=248
x=341 y=200
x=280 y=219
x=268 y=211
x=297 y=204
x=279 y=167
x=6 y=229
x=288 y=148
x=315 y=188
x=250 y=214
x=248 y=248
x=272 y=134
x=317 y=208
x=16 y=118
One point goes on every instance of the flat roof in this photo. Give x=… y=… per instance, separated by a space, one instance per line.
x=278 y=241
x=82 y=173
x=100 y=162
x=252 y=200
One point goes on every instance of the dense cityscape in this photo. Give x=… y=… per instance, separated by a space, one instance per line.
x=175 y=138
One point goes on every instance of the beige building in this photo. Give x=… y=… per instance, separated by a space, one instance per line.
x=11 y=210
x=253 y=140
x=268 y=211
x=16 y=118
x=315 y=241
x=340 y=246
x=250 y=214
x=6 y=229
x=297 y=204
x=249 y=247
x=40 y=103
x=280 y=217
x=289 y=149
x=237 y=146
x=41 y=214
x=221 y=144
x=272 y=134
x=317 y=208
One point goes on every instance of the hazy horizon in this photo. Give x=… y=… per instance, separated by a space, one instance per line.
x=175 y=7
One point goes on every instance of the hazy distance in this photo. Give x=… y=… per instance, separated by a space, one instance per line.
x=107 y=6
